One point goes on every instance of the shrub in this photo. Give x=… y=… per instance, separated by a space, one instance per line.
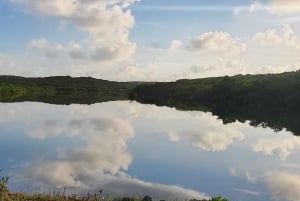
x=218 y=199
x=3 y=183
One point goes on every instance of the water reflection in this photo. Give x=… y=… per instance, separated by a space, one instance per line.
x=133 y=149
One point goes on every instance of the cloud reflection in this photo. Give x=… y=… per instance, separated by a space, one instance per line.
x=277 y=145
x=100 y=163
x=284 y=186
x=210 y=135
x=105 y=151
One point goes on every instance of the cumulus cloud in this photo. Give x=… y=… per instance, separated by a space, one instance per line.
x=287 y=37
x=285 y=6
x=217 y=42
x=277 y=145
x=115 y=53
x=284 y=186
x=50 y=50
x=107 y=23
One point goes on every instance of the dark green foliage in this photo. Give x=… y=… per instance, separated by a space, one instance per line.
x=128 y=199
x=198 y=200
x=147 y=198
x=62 y=90
x=271 y=100
x=218 y=199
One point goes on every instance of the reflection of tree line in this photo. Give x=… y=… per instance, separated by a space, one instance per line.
x=265 y=100
x=271 y=100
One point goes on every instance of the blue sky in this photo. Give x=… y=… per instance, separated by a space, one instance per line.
x=148 y=39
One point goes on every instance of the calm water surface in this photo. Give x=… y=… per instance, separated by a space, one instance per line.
x=128 y=148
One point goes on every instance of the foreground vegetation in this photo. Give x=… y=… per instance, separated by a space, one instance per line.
x=269 y=100
x=6 y=195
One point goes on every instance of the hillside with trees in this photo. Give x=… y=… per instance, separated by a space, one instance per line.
x=268 y=100
x=62 y=90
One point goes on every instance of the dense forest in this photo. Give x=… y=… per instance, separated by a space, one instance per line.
x=271 y=100
x=62 y=89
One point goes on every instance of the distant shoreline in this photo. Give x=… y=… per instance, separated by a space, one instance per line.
x=269 y=100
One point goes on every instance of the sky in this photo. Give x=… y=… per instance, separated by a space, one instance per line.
x=148 y=40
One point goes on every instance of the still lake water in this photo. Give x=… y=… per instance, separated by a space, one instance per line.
x=127 y=148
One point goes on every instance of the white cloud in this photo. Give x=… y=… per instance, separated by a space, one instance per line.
x=217 y=42
x=285 y=6
x=284 y=186
x=75 y=51
x=105 y=151
x=50 y=50
x=173 y=137
x=211 y=135
x=274 y=7
x=134 y=187
x=50 y=7
x=134 y=72
x=214 y=140
x=218 y=66
x=175 y=44
x=7 y=65
x=277 y=145
x=271 y=37
x=249 y=175
x=107 y=23
x=41 y=43
x=247 y=192
x=100 y=162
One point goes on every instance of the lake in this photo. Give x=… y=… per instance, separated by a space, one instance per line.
x=127 y=148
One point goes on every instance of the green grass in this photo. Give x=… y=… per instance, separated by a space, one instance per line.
x=6 y=195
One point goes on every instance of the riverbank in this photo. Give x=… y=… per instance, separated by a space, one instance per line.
x=9 y=196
